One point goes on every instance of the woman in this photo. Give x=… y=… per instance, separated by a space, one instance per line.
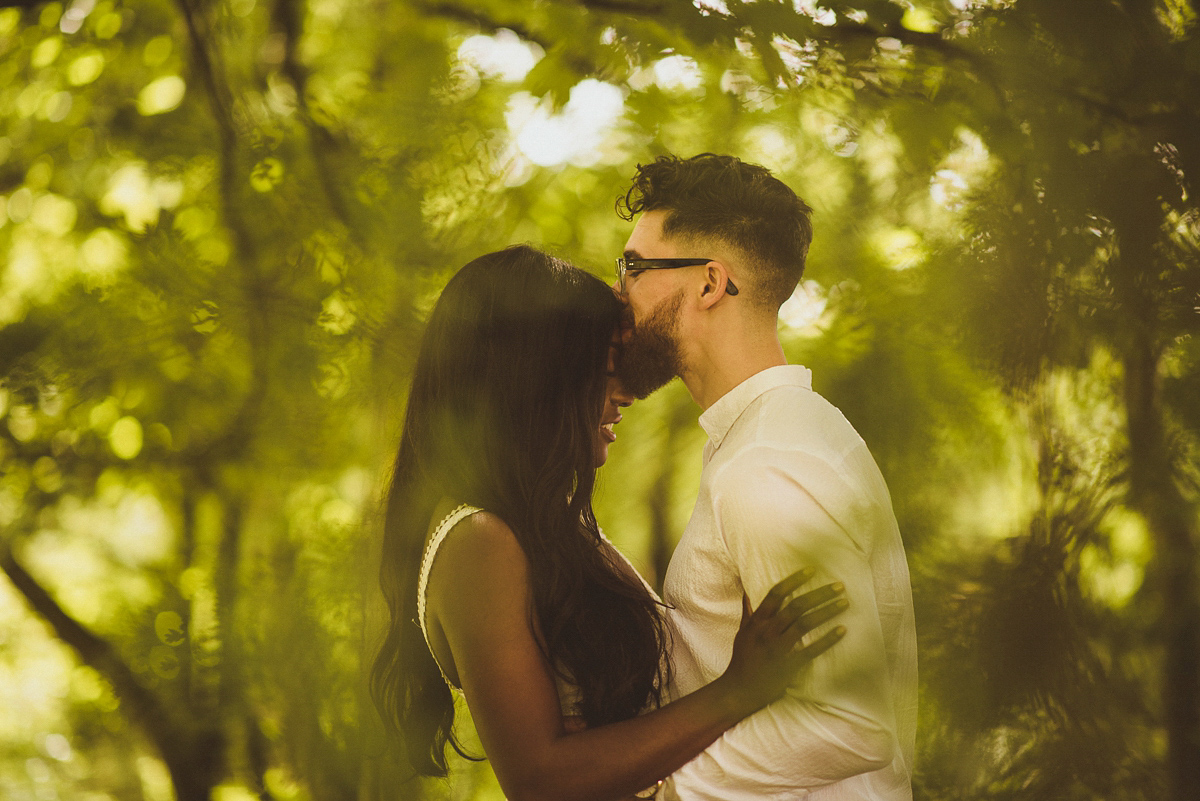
x=556 y=643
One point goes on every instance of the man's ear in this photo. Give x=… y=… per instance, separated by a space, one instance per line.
x=716 y=279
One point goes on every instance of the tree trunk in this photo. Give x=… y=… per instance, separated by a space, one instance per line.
x=1171 y=520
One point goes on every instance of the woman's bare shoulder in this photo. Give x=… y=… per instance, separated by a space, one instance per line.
x=479 y=554
x=484 y=530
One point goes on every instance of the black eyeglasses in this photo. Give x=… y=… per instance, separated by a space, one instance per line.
x=637 y=265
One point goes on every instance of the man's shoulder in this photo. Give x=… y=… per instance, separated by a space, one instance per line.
x=795 y=433
x=795 y=418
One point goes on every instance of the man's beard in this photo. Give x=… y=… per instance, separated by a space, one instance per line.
x=651 y=357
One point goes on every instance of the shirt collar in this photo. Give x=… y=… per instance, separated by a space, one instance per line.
x=720 y=417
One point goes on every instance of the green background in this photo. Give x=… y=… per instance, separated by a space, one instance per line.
x=222 y=225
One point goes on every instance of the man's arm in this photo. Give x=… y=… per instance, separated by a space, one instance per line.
x=778 y=511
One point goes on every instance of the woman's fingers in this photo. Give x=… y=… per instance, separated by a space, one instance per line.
x=790 y=636
x=794 y=611
x=768 y=646
x=816 y=617
x=802 y=656
x=779 y=593
x=784 y=623
x=810 y=600
x=789 y=630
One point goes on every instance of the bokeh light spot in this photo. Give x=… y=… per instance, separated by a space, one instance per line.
x=53 y=214
x=502 y=55
x=9 y=18
x=573 y=135
x=57 y=747
x=103 y=254
x=169 y=628
x=156 y=51
x=125 y=437
x=45 y=52
x=161 y=95
x=85 y=68
x=678 y=73
x=266 y=174
x=108 y=25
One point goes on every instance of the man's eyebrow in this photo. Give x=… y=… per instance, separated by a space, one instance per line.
x=632 y=254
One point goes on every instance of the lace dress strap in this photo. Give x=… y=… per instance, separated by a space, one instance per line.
x=448 y=522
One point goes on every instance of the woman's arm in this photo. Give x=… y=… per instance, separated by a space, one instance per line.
x=479 y=600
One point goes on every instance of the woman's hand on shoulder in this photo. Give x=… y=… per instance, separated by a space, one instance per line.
x=767 y=650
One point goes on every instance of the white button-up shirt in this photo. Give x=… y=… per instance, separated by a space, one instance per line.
x=788 y=483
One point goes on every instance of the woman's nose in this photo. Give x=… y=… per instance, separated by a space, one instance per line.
x=619 y=396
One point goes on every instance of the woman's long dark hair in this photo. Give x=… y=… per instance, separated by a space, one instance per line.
x=506 y=399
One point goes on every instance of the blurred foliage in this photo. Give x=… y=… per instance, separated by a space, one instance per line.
x=224 y=222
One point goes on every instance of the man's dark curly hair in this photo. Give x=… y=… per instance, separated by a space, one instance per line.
x=743 y=205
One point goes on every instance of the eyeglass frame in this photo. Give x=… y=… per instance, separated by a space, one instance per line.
x=624 y=265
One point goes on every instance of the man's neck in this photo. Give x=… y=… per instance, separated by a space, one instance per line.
x=716 y=364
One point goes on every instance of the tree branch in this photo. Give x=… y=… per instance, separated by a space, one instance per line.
x=237 y=435
x=482 y=20
x=190 y=769
x=287 y=17
x=202 y=63
x=226 y=587
x=95 y=652
x=617 y=7
x=927 y=42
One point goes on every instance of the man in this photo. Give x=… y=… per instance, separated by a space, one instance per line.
x=787 y=483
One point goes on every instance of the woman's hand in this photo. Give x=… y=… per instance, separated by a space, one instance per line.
x=767 y=651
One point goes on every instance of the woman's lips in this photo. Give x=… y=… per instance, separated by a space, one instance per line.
x=606 y=428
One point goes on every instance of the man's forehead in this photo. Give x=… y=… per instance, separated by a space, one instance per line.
x=653 y=244
x=647 y=233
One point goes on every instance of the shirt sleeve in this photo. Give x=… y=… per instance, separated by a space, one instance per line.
x=780 y=511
